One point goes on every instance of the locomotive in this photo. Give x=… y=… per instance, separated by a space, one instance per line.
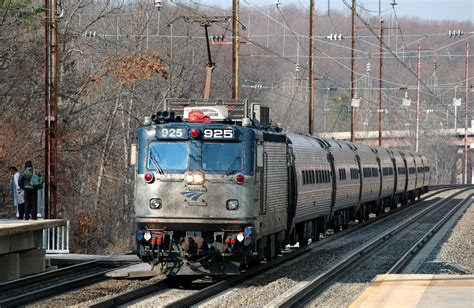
x=219 y=189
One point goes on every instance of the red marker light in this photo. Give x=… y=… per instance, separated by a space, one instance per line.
x=195 y=132
x=239 y=178
x=232 y=241
x=149 y=177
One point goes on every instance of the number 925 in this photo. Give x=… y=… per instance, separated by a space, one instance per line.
x=219 y=133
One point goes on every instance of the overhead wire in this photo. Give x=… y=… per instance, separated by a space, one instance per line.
x=395 y=56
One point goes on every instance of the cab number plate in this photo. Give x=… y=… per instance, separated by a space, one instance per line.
x=217 y=133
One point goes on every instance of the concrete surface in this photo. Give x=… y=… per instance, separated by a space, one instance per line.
x=140 y=270
x=71 y=259
x=10 y=268
x=419 y=290
x=21 y=243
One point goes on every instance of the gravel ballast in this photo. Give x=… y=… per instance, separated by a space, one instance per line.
x=261 y=290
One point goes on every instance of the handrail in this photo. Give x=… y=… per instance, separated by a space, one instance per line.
x=56 y=239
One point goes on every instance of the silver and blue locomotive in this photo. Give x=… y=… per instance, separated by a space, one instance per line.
x=218 y=189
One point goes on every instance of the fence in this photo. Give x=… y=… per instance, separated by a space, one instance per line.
x=56 y=239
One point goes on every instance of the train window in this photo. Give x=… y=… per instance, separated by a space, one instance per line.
x=318 y=176
x=168 y=156
x=354 y=174
x=375 y=172
x=303 y=177
x=225 y=157
x=342 y=174
x=313 y=179
x=367 y=172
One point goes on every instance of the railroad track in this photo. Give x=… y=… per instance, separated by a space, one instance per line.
x=304 y=291
x=201 y=295
x=33 y=288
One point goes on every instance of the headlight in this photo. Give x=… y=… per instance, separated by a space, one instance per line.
x=194 y=178
x=155 y=204
x=188 y=178
x=232 y=205
x=147 y=236
x=198 y=178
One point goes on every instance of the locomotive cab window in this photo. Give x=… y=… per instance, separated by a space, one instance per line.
x=168 y=156
x=226 y=157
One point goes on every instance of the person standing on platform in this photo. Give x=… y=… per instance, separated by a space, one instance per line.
x=30 y=192
x=18 y=193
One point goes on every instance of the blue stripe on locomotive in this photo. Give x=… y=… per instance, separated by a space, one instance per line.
x=242 y=134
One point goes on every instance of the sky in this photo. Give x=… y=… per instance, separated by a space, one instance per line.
x=459 y=10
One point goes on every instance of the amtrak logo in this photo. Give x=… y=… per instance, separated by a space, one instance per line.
x=194 y=194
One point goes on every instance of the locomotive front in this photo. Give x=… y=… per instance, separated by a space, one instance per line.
x=194 y=200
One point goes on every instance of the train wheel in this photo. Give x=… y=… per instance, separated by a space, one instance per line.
x=302 y=239
x=315 y=231
x=345 y=219
x=367 y=212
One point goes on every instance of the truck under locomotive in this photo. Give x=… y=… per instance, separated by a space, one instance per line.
x=218 y=189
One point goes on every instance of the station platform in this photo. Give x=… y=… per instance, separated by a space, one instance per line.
x=418 y=290
x=22 y=250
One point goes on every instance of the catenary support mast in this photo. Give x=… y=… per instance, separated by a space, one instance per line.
x=381 y=83
x=311 y=68
x=235 y=49
x=51 y=107
x=353 y=72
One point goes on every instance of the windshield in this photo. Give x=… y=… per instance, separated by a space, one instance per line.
x=168 y=156
x=225 y=157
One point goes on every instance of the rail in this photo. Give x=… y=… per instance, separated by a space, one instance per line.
x=298 y=295
x=56 y=239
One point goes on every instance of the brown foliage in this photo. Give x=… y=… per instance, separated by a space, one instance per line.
x=87 y=229
x=130 y=69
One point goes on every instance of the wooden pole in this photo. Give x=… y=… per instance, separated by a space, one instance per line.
x=311 y=69
x=235 y=49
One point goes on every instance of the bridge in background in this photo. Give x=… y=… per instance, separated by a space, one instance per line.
x=405 y=138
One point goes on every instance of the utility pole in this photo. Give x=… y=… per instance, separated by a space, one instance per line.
x=418 y=74
x=51 y=107
x=466 y=74
x=46 y=108
x=381 y=83
x=352 y=71
x=235 y=49
x=311 y=67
